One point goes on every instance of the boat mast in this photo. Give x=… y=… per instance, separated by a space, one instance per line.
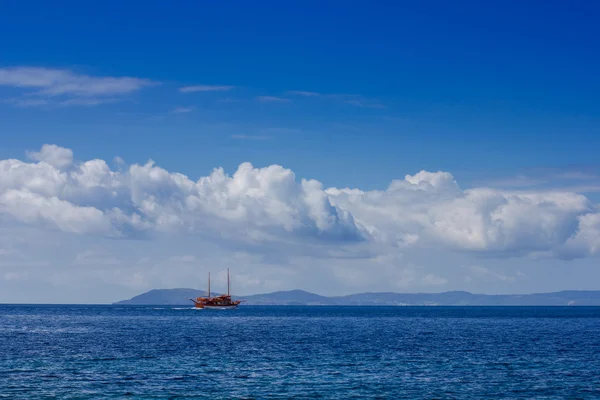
x=227 y=281
x=209 y=285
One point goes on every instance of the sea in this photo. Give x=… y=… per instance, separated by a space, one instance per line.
x=299 y=352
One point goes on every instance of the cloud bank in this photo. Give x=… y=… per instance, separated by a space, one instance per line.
x=265 y=206
x=88 y=197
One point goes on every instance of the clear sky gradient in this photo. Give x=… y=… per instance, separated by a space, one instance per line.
x=502 y=95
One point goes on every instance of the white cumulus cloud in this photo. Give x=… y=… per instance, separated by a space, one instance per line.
x=58 y=157
x=89 y=197
x=271 y=205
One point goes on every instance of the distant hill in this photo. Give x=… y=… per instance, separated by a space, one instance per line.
x=171 y=297
x=454 y=298
x=291 y=297
x=458 y=298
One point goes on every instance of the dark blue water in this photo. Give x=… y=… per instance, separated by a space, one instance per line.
x=299 y=352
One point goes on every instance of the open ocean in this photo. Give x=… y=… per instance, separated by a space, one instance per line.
x=81 y=352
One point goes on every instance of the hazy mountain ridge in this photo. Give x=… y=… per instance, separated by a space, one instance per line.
x=454 y=298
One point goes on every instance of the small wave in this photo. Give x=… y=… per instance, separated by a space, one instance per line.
x=104 y=359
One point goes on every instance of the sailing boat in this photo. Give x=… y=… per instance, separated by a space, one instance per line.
x=222 y=302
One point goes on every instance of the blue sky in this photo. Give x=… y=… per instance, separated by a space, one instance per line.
x=466 y=86
x=352 y=94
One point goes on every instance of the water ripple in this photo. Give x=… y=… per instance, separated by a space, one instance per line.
x=299 y=352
